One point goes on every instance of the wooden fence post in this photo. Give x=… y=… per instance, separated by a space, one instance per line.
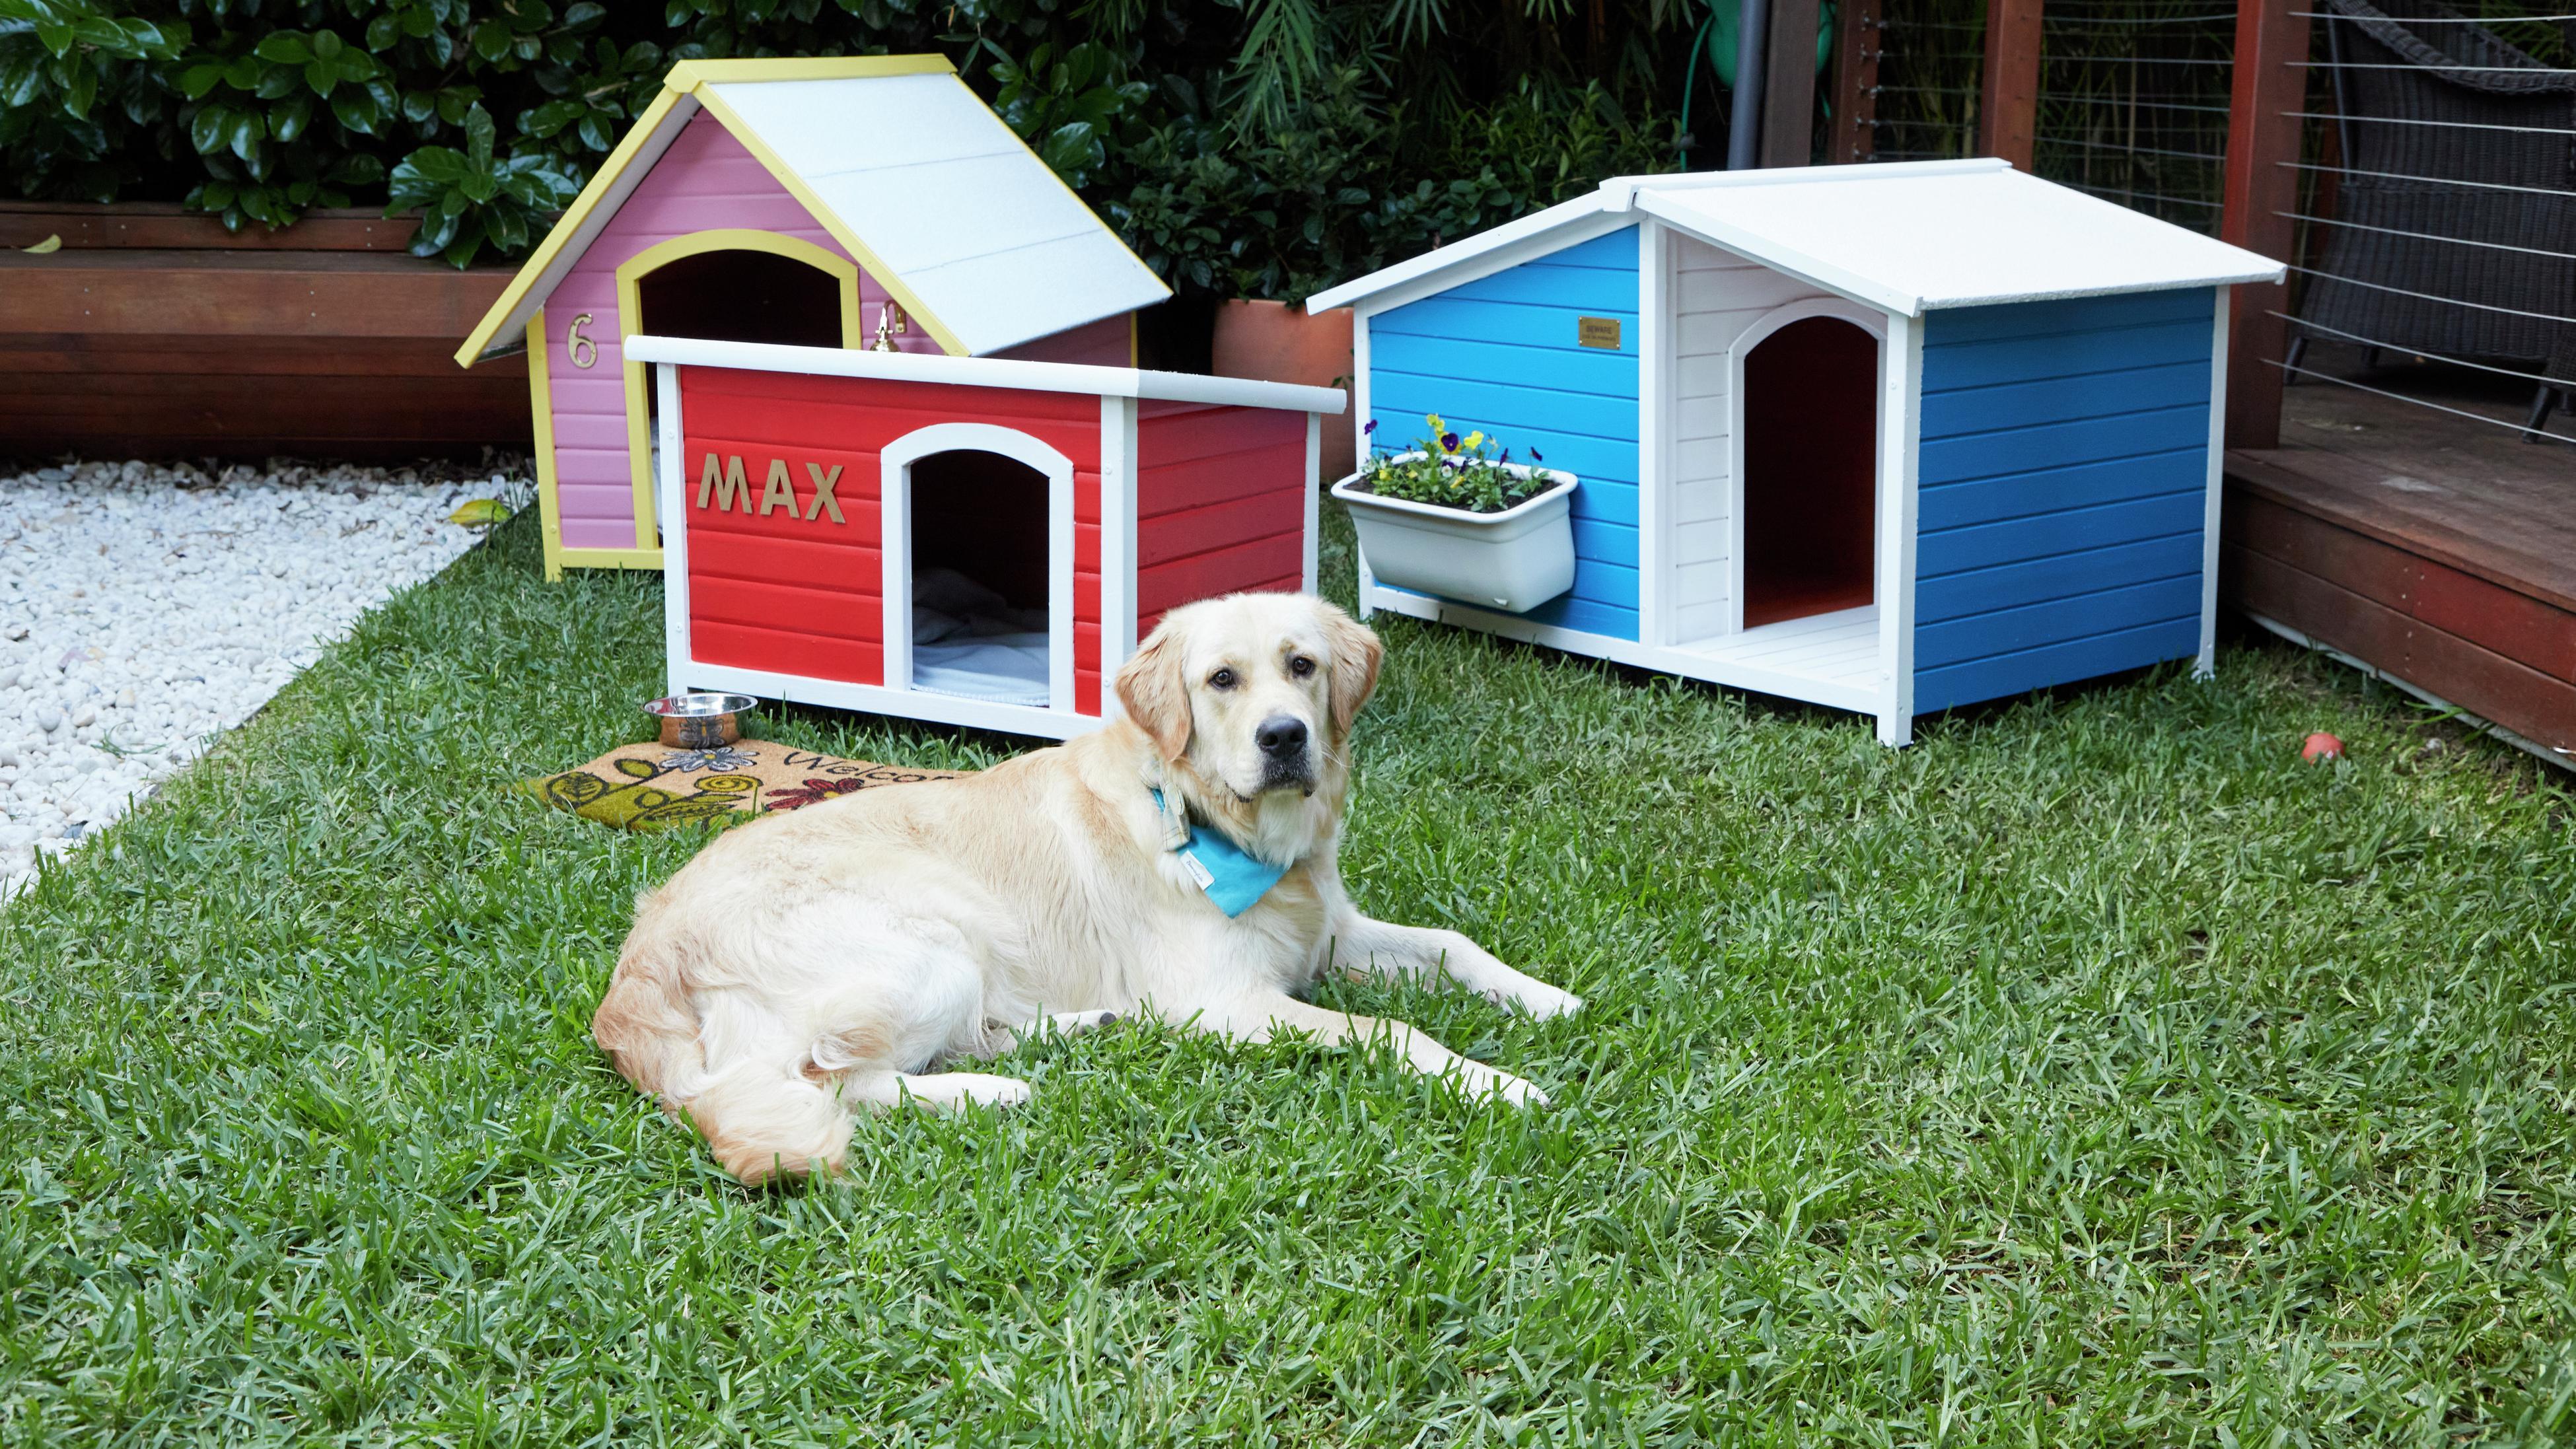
x=2008 y=109
x=1856 y=47
x=2262 y=189
x=1789 y=85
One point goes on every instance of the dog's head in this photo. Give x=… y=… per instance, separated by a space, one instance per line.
x=1252 y=696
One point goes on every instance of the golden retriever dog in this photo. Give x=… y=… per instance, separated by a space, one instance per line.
x=841 y=955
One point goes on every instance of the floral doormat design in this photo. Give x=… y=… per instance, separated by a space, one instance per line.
x=646 y=786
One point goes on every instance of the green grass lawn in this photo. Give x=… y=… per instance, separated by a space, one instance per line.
x=2091 y=1072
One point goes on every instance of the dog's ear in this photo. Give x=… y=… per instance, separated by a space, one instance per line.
x=1356 y=657
x=1153 y=693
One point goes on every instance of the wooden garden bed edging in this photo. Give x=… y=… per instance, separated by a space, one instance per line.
x=154 y=333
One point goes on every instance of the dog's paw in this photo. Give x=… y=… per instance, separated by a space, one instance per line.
x=1486 y=1083
x=998 y=1091
x=959 y=1089
x=1537 y=1001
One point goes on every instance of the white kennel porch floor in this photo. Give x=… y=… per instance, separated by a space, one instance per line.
x=1838 y=650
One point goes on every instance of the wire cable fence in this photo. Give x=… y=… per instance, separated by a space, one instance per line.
x=2434 y=253
x=2133 y=96
x=2133 y=104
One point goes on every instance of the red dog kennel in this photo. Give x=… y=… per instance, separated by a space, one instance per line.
x=975 y=541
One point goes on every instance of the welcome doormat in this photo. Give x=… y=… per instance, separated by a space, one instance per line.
x=647 y=786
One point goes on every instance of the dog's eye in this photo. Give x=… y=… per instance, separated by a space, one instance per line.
x=1301 y=666
x=1222 y=679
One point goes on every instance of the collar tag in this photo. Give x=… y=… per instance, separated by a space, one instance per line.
x=1230 y=876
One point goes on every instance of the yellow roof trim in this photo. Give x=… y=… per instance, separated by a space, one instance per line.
x=574 y=215
x=689 y=74
x=839 y=230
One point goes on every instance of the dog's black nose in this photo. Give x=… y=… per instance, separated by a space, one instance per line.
x=1281 y=737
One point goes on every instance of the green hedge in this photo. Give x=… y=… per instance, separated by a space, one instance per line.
x=1265 y=147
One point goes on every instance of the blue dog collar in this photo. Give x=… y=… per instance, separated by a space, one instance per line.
x=1232 y=877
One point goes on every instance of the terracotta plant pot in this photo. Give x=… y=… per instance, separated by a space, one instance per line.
x=1275 y=342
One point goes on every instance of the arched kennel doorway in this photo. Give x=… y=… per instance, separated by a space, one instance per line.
x=727 y=285
x=978 y=548
x=1807 y=479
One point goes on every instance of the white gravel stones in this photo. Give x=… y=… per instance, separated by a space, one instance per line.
x=146 y=607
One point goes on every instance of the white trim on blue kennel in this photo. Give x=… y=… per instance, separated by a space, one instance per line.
x=2032 y=500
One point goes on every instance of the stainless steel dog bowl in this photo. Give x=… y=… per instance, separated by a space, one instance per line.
x=700 y=721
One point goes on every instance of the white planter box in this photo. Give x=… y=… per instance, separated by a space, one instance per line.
x=1514 y=560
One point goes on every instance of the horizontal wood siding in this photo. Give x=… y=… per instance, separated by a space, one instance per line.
x=705 y=181
x=1716 y=296
x=780 y=591
x=1500 y=354
x=188 y=349
x=2064 y=470
x=1220 y=504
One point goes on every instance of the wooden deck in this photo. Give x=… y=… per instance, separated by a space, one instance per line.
x=2436 y=551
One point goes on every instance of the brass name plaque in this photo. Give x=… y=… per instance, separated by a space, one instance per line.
x=1597 y=332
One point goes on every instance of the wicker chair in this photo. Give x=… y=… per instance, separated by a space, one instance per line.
x=2409 y=128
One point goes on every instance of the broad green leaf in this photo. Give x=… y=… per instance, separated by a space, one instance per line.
x=358 y=109
x=479 y=135
x=287 y=120
x=507 y=226
x=1071 y=149
x=211 y=130
x=285 y=47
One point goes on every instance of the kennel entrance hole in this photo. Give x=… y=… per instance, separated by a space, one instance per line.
x=738 y=295
x=1810 y=418
x=980 y=570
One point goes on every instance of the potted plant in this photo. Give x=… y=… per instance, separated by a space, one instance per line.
x=1458 y=518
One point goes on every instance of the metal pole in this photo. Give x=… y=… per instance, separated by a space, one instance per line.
x=1752 y=62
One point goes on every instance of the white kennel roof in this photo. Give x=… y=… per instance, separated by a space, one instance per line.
x=979 y=240
x=1906 y=236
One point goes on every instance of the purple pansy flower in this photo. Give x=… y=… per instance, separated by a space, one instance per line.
x=1449 y=440
x=1371 y=427
x=1537 y=457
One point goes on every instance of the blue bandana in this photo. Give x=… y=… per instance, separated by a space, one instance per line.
x=1233 y=878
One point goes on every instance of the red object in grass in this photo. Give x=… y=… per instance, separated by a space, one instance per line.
x=2321 y=746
